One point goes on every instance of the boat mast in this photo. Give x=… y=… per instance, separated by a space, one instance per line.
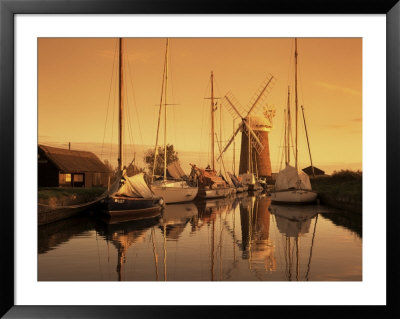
x=165 y=114
x=285 y=145
x=159 y=117
x=212 y=121
x=220 y=138
x=288 y=127
x=296 y=101
x=120 y=102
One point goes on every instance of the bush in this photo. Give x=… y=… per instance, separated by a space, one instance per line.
x=346 y=175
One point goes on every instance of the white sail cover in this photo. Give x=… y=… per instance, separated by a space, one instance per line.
x=175 y=170
x=289 y=177
x=134 y=186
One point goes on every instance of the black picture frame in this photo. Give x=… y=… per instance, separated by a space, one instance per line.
x=8 y=10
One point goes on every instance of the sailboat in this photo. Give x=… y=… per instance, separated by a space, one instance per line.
x=172 y=191
x=128 y=196
x=292 y=186
x=210 y=184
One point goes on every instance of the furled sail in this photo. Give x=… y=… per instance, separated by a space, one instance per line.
x=175 y=170
x=134 y=186
x=235 y=180
x=289 y=177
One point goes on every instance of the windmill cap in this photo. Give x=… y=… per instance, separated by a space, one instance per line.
x=260 y=123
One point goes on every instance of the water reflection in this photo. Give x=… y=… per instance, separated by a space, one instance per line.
x=123 y=235
x=210 y=213
x=240 y=238
x=175 y=217
x=256 y=246
x=294 y=222
x=52 y=235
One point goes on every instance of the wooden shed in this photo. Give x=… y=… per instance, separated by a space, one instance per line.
x=309 y=171
x=70 y=168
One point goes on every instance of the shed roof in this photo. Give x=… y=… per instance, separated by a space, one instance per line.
x=74 y=161
x=317 y=171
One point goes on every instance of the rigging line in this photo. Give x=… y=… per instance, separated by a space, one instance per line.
x=128 y=111
x=159 y=116
x=108 y=259
x=165 y=252
x=112 y=123
x=136 y=109
x=312 y=244
x=280 y=154
x=171 y=86
x=109 y=96
x=98 y=255
x=155 y=252
x=129 y=116
x=134 y=105
x=290 y=73
x=129 y=126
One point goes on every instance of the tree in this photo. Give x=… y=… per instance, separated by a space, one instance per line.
x=133 y=170
x=172 y=156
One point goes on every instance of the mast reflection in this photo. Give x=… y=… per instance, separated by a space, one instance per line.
x=123 y=235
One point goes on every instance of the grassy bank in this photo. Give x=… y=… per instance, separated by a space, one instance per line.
x=342 y=189
x=68 y=195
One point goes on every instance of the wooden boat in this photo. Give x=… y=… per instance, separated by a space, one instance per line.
x=172 y=191
x=128 y=196
x=49 y=213
x=210 y=184
x=292 y=185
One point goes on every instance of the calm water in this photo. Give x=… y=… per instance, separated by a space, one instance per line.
x=244 y=238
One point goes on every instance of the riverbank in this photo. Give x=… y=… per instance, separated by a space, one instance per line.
x=57 y=203
x=342 y=190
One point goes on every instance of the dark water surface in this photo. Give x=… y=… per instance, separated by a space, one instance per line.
x=243 y=238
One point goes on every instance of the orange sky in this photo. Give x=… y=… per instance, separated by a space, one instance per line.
x=76 y=89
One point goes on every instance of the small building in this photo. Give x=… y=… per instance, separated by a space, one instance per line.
x=70 y=168
x=317 y=172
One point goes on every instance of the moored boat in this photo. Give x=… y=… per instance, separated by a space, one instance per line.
x=210 y=184
x=177 y=190
x=292 y=186
x=128 y=196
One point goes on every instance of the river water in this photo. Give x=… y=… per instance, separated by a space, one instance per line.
x=242 y=238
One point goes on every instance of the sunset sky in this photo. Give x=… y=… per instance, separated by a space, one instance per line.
x=77 y=93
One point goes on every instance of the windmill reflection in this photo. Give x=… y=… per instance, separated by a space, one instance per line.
x=256 y=245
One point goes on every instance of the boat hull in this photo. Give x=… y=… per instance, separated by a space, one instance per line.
x=214 y=193
x=293 y=196
x=120 y=206
x=175 y=194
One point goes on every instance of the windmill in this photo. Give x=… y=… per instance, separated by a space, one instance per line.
x=254 y=153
